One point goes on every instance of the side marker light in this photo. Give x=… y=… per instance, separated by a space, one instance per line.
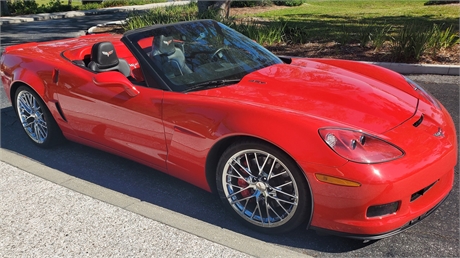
x=336 y=181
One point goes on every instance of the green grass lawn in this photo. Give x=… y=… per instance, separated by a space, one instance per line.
x=325 y=18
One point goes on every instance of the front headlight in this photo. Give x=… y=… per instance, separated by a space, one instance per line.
x=359 y=147
x=423 y=93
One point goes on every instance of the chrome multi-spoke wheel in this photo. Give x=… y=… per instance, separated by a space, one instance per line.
x=35 y=118
x=263 y=187
x=31 y=117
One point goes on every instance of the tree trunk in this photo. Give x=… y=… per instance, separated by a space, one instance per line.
x=4 y=8
x=221 y=7
x=203 y=6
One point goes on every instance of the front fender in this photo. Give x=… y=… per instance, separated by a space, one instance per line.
x=38 y=82
x=294 y=133
x=195 y=124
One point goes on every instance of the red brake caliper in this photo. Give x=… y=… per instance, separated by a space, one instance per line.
x=242 y=183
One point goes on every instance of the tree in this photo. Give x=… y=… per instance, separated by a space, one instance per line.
x=4 y=8
x=220 y=7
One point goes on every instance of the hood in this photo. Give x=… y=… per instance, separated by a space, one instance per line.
x=324 y=91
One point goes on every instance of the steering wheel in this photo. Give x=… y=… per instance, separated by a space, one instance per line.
x=218 y=51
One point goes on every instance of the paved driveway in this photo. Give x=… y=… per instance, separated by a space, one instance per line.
x=436 y=236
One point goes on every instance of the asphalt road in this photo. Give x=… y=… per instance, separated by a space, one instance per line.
x=53 y=29
x=436 y=236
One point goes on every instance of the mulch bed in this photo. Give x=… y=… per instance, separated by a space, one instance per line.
x=356 y=52
x=330 y=49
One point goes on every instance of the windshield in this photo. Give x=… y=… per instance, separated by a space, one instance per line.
x=201 y=54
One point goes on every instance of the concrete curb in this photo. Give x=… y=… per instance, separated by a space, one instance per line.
x=233 y=240
x=61 y=15
x=420 y=68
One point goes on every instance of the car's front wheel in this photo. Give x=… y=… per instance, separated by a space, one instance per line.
x=264 y=187
x=35 y=118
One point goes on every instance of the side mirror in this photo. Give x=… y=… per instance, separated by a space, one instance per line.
x=115 y=79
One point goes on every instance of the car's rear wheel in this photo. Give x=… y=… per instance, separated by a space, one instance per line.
x=263 y=186
x=36 y=119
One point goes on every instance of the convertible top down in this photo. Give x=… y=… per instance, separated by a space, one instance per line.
x=333 y=145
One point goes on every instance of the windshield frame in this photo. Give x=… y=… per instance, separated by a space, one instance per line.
x=247 y=55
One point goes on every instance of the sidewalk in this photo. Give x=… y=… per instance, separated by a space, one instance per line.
x=42 y=219
x=48 y=213
x=397 y=67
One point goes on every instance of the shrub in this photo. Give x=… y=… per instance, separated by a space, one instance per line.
x=345 y=35
x=269 y=33
x=22 y=7
x=250 y=3
x=296 y=34
x=55 y=6
x=166 y=15
x=412 y=41
x=380 y=36
x=290 y=2
x=365 y=34
x=443 y=38
x=438 y=2
x=90 y=6
x=113 y=3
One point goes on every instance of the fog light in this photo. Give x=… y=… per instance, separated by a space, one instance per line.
x=381 y=210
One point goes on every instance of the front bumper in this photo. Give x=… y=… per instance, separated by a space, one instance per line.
x=419 y=182
x=382 y=235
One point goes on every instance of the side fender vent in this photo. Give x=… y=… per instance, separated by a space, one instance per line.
x=418 y=122
x=55 y=75
x=58 y=107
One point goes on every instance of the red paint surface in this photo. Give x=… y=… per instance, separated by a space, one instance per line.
x=281 y=104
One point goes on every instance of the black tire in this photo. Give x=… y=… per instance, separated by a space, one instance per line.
x=275 y=200
x=36 y=119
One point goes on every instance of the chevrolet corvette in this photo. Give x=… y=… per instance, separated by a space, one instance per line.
x=337 y=146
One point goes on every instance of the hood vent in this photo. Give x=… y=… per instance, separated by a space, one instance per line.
x=418 y=122
x=257 y=81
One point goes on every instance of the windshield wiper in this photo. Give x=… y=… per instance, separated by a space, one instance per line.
x=212 y=84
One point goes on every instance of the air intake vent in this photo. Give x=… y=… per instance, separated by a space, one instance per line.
x=419 y=121
x=418 y=194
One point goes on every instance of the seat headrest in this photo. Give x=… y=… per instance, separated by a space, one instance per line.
x=163 y=45
x=104 y=54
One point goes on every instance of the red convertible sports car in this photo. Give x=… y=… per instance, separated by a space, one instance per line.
x=333 y=145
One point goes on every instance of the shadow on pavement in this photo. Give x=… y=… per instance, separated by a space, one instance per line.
x=151 y=186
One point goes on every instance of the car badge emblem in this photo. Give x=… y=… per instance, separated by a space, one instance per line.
x=439 y=133
x=107 y=53
x=167 y=42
